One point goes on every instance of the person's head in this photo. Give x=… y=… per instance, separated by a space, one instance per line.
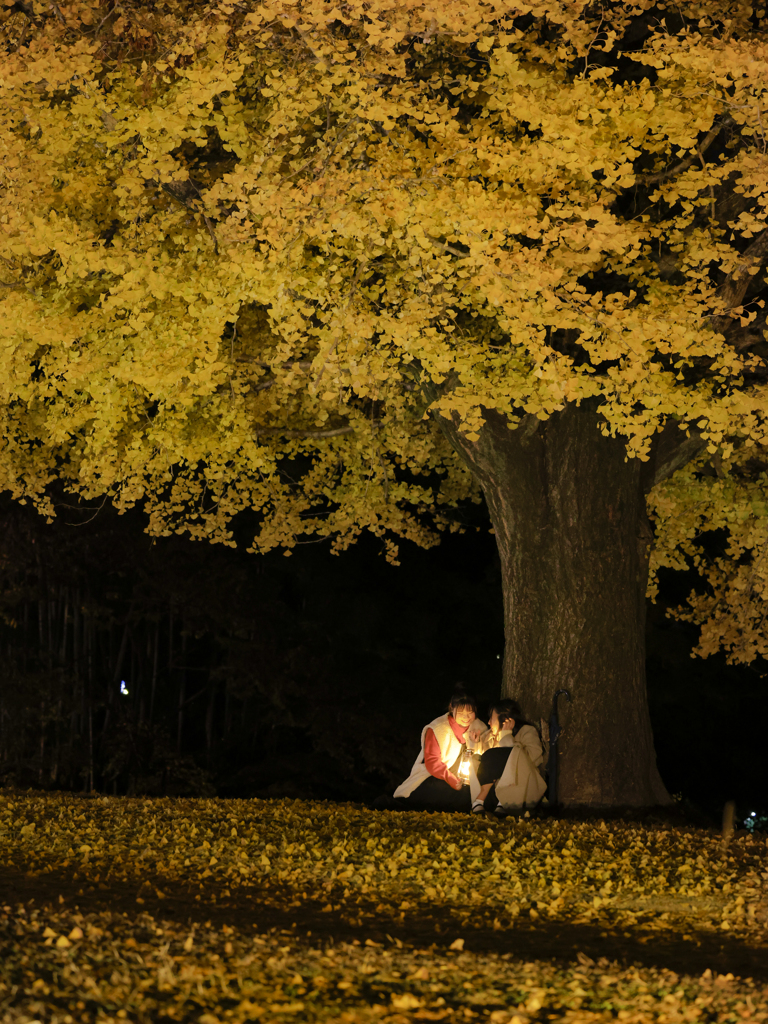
x=504 y=714
x=462 y=708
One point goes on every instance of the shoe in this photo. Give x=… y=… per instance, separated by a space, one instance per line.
x=478 y=807
x=499 y=811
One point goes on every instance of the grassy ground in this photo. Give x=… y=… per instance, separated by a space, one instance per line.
x=116 y=909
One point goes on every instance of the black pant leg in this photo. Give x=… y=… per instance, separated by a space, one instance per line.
x=436 y=795
x=492 y=764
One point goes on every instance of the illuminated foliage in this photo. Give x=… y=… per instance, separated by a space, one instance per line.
x=699 y=498
x=248 y=250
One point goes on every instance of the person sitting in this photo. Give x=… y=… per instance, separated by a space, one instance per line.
x=434 y=782
x=494 y=747
x=509 y=763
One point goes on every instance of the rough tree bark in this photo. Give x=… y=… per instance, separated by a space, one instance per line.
x=568 y=510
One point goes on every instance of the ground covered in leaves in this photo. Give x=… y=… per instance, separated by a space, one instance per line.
x=115 y=909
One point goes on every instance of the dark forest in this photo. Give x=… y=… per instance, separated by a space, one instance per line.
x=140 y=665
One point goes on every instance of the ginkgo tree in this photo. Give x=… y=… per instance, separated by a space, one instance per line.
x=351 y=264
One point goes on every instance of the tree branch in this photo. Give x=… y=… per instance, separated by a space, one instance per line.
x=654 y=179
x=25 y=8
x=187 y=203
x=734 y=288
x=336 y=432
x=303 y=364
x=672 y=449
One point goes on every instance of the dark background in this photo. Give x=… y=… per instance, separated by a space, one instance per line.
x=308 y=675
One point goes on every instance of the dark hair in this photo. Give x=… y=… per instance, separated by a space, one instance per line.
x=460 y=699
x=506 y=709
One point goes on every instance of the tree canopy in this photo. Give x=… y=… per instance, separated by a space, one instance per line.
x=253 y=253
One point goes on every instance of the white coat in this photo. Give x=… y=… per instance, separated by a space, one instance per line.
x=521 y=782
x=450 y=748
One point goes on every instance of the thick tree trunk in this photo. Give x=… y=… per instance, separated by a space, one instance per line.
x=569 y=516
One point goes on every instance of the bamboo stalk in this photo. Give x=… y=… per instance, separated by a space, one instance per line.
x=154 y=673
x=182 y=688
x=64 y=630
x=209 y=715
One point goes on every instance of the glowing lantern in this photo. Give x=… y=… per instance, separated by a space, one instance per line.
x=464 y=766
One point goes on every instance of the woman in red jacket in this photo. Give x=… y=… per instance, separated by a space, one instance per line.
x=434 y=782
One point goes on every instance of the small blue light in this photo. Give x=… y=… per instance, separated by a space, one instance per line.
x=123 y=687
